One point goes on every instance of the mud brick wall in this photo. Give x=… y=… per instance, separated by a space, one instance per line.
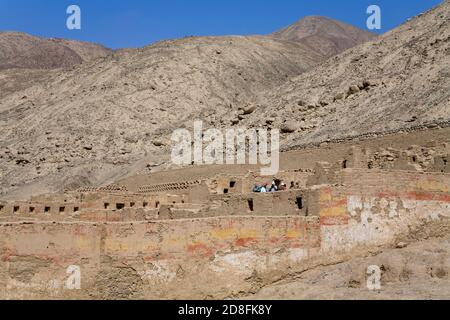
x=214 y=257
x=38 y=211
x=379 y=207
x=218 y=257
x=394 y=180
x=263 y=204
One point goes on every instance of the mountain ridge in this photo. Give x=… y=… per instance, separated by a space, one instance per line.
x=324 y=35
x=22 y=50
x=113 y=116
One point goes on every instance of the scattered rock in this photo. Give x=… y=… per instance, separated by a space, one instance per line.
x=367 y=83
x=250 y=109
x=413 y=119
x=353 y=89
x=22 y=162
x=401 y=245
x=432 y=125
x=339 y=96
x=289 y=127
x=158 y=143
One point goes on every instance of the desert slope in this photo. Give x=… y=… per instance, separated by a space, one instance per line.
x=325 y=36
x=26 y=60
x=400 y=81
x=21 y=50
x=94 y=122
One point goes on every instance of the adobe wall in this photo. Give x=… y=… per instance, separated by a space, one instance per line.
x=394 y=180
x=92 y=206
x=219 y=257
x=287 y=203
x=201 y=258
x=357 y=219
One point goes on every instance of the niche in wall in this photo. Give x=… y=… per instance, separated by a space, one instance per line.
x=299 y=203
x=251 y=205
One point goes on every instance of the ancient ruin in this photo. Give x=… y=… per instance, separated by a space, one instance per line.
x=93 y=206
x=212 y=237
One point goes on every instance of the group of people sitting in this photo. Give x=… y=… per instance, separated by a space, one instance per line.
x=274 y=187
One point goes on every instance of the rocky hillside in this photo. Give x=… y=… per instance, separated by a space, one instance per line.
x=20 y=50
x=325 y=36
x=113 y=116
x=400 y=81
x=26 y=60
x=100 y=120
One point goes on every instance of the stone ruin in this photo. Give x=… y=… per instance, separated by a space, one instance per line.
x=214 y=237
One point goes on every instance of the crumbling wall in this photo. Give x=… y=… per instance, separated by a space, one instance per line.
x=441 y=164
x=218 y=257
x=213 y=257
x=378 y=207
x=262 y=204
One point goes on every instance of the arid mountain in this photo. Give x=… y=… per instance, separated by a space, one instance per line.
x=114 y=116
x=108 y=117
x=85 y=50
x=401 y=81
x=26 y=60
x=20 y=50
x=325 y=36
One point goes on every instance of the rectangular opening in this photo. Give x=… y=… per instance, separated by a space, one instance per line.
x=76 y=209
x=225 y=191
x=232 y=184
x=344 y=164
x=299 y=202
x=47 y=209
x=120 y=206
x=32 y=209
x=132 y=204
x=251 y=207
x=157 y=205
x=62 y=209
x=16 y=209
x=106 y=206
x=145 y=204
x=1 y=207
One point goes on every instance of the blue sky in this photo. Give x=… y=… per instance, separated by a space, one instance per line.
x=135 y=23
